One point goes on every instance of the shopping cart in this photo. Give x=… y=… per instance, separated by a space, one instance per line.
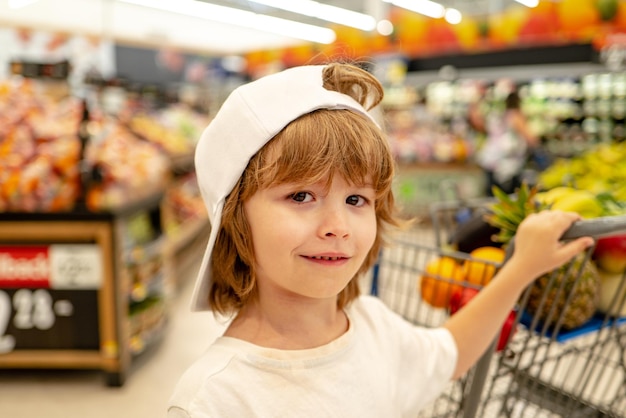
x=540 y=370
x=398 y=280
x=552 y=371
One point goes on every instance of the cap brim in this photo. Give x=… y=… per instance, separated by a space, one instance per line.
x=200 y=296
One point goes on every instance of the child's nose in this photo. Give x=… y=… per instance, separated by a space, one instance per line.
x=334 y=223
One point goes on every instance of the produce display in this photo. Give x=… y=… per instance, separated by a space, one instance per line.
x=175 y=129
x=39 y=148
x=124 y=160
x=183 y=204
x=128 y=168
x=600 y=170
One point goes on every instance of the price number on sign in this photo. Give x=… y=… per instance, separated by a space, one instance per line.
x=28 y=309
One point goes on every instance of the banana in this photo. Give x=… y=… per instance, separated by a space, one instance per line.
x=554 y=194
x=581 y=201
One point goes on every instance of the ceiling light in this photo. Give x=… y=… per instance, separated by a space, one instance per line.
x=453 y=16
x=384 y=27
x=18 y=4
x=324 y=12
x=243 y=18
x=425 y=7
x=529 y=3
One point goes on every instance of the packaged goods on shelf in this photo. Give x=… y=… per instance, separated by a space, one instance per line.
x=127 y=168
x=75 y=179
x=184 y=203
x=174 y=129
x=39 y=148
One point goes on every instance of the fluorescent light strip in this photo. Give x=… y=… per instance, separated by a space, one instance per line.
x=324 y=12
x=18 y=4
x=529 y=3
x=243 y=18
x=425 y=7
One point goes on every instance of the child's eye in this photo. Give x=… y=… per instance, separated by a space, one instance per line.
x=356 y=200
x=301 y=197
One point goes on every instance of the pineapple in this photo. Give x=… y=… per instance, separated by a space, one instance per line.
x=580 y=275
x=575 y=311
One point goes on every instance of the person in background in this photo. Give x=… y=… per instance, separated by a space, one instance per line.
x=297 y=178
x=509 y=143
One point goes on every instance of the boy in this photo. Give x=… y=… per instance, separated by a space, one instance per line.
x=296 y=176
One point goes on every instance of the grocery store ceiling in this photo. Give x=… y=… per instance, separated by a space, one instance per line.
x=133 y=22
x=469 y=7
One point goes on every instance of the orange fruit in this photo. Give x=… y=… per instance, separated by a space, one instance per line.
x=439 y=280
x=482 y=265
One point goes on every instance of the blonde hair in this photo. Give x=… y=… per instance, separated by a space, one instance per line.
x=312 y=148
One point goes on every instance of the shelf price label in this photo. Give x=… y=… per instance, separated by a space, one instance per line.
x=49 y=296
x=56 y=266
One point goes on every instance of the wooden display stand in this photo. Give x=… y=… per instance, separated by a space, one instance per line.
x=81 y=300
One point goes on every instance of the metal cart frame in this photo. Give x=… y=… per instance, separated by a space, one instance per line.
x=543 y=371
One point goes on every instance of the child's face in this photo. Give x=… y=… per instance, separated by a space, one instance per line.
x=309 y=241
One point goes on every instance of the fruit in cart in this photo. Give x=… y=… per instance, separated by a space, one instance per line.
x=461 y=297
x=482 y=265
x=579 y=278
x=610 y=254
x=509 y=211
x=567 y=295
x=612 y=294
x=442 y=277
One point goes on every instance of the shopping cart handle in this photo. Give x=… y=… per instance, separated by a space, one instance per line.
x=596 y=228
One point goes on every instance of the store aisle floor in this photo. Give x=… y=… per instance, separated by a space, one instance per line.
x=79 y=393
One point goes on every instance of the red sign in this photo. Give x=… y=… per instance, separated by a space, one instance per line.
x=27 y=266
x=55 y=266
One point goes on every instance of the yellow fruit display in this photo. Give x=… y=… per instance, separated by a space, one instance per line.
x=439 y=281
x=550 y=196
x=482 y=265
x=582 y=202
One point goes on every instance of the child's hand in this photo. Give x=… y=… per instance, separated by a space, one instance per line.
x=537 y=246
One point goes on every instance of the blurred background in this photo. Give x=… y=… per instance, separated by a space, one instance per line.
x=101 y=105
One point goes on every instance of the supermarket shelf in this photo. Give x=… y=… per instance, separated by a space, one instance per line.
x=185 y=249
x=185 y=235
x=54 y=359
x=90 y=323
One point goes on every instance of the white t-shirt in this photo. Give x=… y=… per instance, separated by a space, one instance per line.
x=382 y=366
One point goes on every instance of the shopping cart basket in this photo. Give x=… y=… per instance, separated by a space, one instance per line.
x=411 y=279
x=541 y=371
x=552 y=371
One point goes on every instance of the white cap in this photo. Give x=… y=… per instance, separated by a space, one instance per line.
x=252 y=115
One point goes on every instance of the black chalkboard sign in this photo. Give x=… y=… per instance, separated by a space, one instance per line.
x=49 y=297
x=48 y=319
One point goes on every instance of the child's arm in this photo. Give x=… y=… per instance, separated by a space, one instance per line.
x=537 y=251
